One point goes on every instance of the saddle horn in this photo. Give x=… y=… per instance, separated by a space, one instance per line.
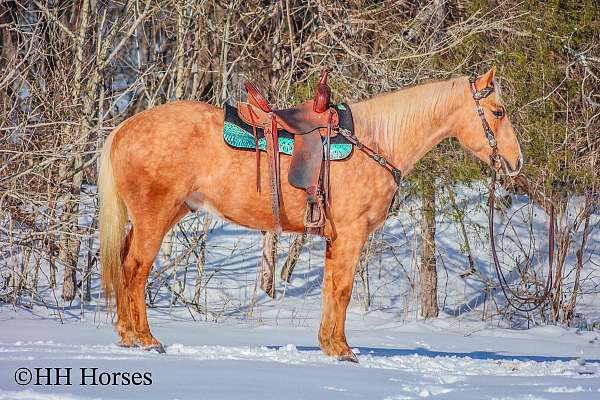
x=322 y=94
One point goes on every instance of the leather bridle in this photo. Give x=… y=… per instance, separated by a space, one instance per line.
x=537 y=300
x=478 y=95
x=379 y=158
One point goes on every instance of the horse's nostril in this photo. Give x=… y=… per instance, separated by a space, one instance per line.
x=508 y=167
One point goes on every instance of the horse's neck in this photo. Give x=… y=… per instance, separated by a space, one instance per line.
x=404 y=142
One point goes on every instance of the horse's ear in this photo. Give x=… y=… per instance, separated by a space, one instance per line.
x=485 y=80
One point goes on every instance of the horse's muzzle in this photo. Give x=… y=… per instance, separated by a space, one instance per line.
x=508 y=169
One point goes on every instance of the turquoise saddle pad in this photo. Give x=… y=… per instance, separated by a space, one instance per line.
x=239 y=135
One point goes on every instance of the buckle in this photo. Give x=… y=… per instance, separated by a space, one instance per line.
x=397 y=174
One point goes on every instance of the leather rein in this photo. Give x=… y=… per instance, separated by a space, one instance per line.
x=537 y=300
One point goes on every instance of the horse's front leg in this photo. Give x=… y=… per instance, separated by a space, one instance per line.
x=338 y=279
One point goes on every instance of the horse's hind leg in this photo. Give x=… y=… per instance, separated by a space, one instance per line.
x=149 y=230
x=123 y=325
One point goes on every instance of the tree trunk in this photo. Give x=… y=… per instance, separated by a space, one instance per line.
x=269 y=260
x=429 y=306
x=570 y=308
x=292 y=259
x=69 y=238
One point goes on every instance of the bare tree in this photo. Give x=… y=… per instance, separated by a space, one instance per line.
x=428 y=277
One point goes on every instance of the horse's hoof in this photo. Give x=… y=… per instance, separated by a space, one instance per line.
x=159 y=348
x=350 y=357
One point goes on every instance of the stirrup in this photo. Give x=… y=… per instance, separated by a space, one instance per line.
x=314 y=217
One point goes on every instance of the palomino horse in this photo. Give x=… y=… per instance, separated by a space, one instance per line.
x=162 y=163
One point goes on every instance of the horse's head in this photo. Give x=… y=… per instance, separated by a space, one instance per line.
x=480 y=110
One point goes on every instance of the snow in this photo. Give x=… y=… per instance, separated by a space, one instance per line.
x=436 y=359
x=249 y=346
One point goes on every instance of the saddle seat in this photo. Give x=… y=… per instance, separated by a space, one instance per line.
x=308 y=122
x=299 y=120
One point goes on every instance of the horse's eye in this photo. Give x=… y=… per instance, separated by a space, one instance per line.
x=499 y=113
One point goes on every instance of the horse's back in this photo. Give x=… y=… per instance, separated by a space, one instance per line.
x=158 y=150
x=170 y=119
x=168 y=130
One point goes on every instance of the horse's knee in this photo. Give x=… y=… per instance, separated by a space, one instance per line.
x=343 y=291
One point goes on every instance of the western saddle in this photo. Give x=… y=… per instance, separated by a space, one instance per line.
x=312 y=123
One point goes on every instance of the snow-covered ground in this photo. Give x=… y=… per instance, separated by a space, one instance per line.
x=443 y=359
x=248 y=346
